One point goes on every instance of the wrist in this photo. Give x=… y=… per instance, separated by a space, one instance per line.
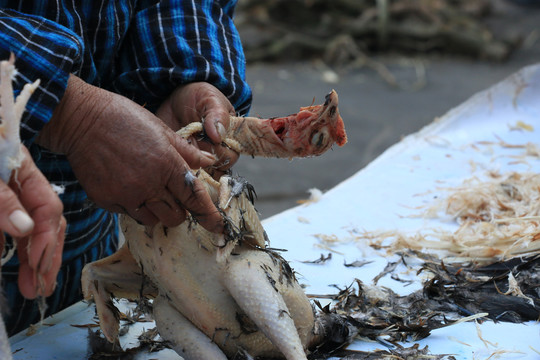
x=71 y=119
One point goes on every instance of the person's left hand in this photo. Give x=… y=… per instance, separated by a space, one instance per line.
x=200 y=101
x=31 y=212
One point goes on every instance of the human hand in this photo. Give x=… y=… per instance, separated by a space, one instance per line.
x=196 y=102
x=31 y=213
x=127 y=159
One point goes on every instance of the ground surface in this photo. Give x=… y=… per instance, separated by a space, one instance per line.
x=376 y=114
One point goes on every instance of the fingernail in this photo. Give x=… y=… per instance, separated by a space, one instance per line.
x=21 y=221
x=209 y=155
x=221 y=130
x=45 y=265
x=46 y=262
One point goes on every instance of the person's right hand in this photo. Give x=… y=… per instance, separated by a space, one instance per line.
x=202 y=102
x=127 y=159
x=31 y=213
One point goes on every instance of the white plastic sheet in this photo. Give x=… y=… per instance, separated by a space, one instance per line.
x=382 y=196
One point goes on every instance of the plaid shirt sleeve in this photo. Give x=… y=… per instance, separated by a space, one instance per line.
x=175 y=42
x=43 y=50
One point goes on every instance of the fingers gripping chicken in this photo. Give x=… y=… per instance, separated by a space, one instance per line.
x=310 y=132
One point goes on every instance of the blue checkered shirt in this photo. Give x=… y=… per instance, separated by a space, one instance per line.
x=142 y=49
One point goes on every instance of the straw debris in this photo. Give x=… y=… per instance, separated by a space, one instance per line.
x=497 y=219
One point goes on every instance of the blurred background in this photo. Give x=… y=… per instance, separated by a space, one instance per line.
x=396 y=65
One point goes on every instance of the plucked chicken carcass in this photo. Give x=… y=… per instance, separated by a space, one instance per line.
x=218 y=295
